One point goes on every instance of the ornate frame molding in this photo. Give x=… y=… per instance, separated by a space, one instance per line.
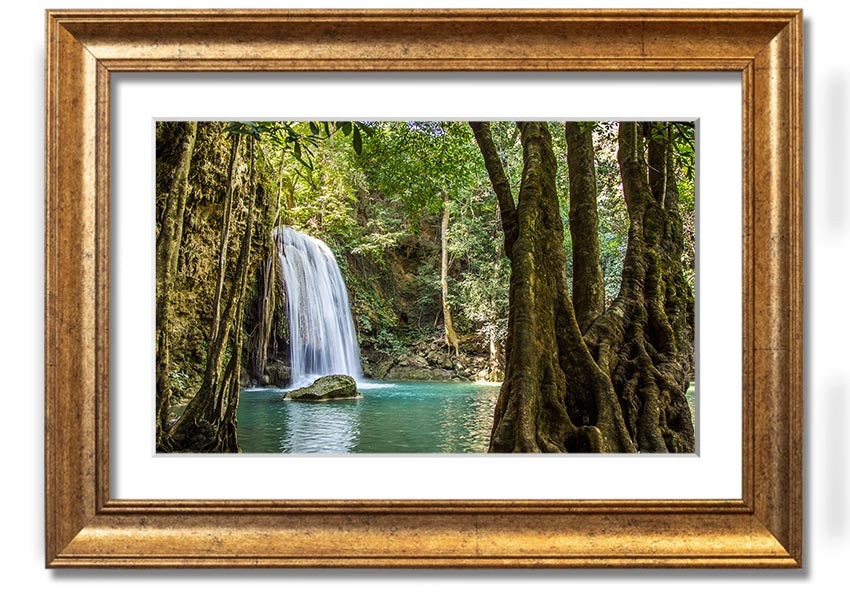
x=86 y=528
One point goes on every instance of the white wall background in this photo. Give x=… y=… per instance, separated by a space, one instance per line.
x=827 y=539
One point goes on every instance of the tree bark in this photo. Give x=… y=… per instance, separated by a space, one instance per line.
x=678 y=296
x=167 y=250
x=225 y=233
x=496 y=372
x=588 y=288
x=227 y=439
x=451 y=338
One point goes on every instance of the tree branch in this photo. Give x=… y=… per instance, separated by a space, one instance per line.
x=501 y=185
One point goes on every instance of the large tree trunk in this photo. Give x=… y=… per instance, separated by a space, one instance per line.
x=226 y=439
x=451 y=338
x=588 y=288
x=617 y=387
x=168 y=243
x=552 y=390
x=677 y=293
x=634 y=340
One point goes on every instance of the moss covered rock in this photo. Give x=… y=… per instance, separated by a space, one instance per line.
x=330 y=387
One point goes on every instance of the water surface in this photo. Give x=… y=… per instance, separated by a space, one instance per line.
x=399 y=417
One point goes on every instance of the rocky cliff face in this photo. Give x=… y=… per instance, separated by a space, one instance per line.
x=431 y=360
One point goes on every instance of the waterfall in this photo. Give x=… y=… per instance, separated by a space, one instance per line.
x=321 y=330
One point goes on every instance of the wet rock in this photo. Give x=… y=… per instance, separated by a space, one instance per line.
x=330 y=387
x=367 y=368
x=278 y=373
x=382 y=368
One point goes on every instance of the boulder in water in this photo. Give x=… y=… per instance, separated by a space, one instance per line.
x=329 y=387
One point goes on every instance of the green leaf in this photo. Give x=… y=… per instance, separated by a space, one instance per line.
x=346 y=127
x=365 y=128
x=314 y=129
x=358 y=143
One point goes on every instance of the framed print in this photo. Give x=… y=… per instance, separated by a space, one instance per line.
x=393 y=276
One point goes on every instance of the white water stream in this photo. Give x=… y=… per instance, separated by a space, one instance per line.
x=321 y=331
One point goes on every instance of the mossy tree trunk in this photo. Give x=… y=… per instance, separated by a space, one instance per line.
x=552 y=385
x=230 y=187
x=168 y=243
x=615 y=388
x=677 y=293
x=228 y=399
x=588 y=288
x=634 y=340
x=208 y=423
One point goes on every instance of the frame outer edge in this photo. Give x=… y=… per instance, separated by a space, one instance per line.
x=764 y=531
x=778 y=287
x=71 y=382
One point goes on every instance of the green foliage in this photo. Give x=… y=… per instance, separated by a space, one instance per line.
x=179 y=382
x=687 y=210
x=413 y=162
x=375 y=193
x=385 y=230
x=684 y=146
x=388 y=341
x=479 y=298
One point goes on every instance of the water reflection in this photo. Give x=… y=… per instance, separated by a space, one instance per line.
x=320 y=426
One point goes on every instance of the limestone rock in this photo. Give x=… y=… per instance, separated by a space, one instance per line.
x=330 y=387
x=419 y=361
x=278 y=373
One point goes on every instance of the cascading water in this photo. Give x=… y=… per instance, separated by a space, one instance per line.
x=321 y=330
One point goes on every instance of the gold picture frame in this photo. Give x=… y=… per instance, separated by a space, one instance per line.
x=85 y=527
